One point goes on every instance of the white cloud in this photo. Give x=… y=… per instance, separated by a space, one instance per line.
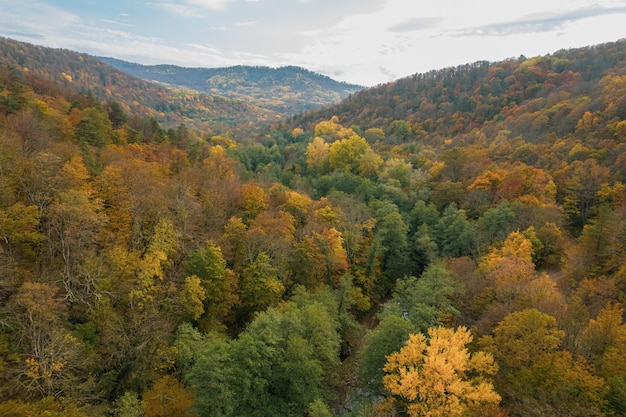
x=360 y=41
x=114 y=22
x=177 y=9
x=540 y=22
x=209 y=4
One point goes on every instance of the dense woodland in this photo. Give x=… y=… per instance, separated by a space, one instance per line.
x=208 y=113
x=451 y=244
x=285 y=90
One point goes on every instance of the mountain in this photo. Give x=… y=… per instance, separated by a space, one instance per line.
x=535 y=97
x=85 y=73
x=285 y=90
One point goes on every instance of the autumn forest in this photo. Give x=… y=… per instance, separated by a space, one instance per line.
x=449 y=244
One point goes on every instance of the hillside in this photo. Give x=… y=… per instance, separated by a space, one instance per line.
x=286 y=90
x=84 y=73
x=450 y=244
x=534 y=97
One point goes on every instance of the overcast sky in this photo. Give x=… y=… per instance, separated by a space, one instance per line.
x=365 y=42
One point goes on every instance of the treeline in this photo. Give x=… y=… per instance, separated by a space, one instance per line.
x=537 y=99
x=370 y=270
x=86 y=74
x=285 y=90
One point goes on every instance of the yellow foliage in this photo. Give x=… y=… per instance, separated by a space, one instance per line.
x=317 y=152
x=438 y=376
x=254 y=199
x=332 y=129
x=490 y=180
x=516 y=246
x=436 y=169
x=166 y=397
x=193 y=296
x=297 y=132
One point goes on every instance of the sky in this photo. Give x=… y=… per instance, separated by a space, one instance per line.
x=365 y=42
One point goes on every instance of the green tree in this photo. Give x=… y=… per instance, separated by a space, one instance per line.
x=116 y=114
x=128 y=405
x=455 y=235
x=427 y=301
x=260 y=285
x=94 y=128
x=218 y=282
x=281 y=364
x=211 y=375
x=391 y=231
x=388 y=337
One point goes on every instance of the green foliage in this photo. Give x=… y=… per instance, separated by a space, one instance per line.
x=391 y=231
x=279 y=365
x=427 y=301
x=319 y=409
x=260 y=285
x=128 y=405
x=94 y=128
x=216 y=280
x=388 y=337
x=617 y=395
x=455 y=234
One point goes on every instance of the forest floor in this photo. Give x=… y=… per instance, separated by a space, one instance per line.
x=348 y=374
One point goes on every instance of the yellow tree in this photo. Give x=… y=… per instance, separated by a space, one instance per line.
x=167 y=397
x=346 y=154
x=49 y=358
x=537 y=377
x=603 y=342
x=331 y=129
x=254 y=199
x=439 y=377
x=317 y=154
x=330 y=242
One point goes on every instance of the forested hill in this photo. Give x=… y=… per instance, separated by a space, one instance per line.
x=536 y=98
x=85 y=73
x=285 y=90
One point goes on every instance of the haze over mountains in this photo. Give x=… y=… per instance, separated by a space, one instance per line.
x=210 y=99
x=285 y=90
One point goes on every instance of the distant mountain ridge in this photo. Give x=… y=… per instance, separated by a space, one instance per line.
x=286 y=90
x=85 y=73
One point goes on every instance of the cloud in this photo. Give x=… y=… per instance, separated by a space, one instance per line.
x=539 y=23
x=209 y=4
x=418 y=23
x=24 y=35
x=177 y=9
x=114 y=22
